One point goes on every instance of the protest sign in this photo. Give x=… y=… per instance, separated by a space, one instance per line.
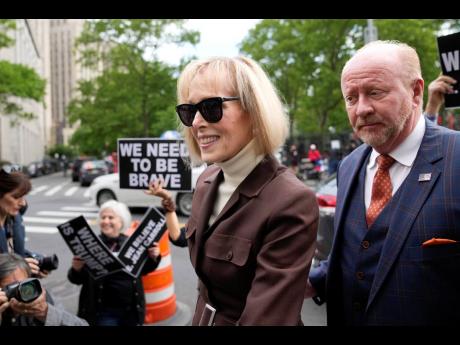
x=83 y=242
x=134 y=250
x=449 y=53
x=142 y=160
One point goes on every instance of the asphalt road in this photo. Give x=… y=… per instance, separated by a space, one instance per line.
x=55 y=199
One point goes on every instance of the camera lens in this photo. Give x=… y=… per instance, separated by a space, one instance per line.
x=49 y=263
x=27 y=292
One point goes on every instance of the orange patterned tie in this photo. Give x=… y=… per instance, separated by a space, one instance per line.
x=381 y=189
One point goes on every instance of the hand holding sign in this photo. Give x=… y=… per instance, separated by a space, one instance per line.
x=89 y=250
x=84 y=243
x=154 y=251
x=449 y=53
x=436 y=91
x=77 y=263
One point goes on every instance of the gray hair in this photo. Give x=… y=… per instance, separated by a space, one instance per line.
x=120 y=209
x=10 y=263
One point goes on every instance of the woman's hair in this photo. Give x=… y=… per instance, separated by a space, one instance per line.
x=10 y=262
x=258 y=97
x=12 y=181
x=120 y=210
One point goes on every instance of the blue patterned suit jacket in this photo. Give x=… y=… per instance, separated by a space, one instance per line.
x=413 y=285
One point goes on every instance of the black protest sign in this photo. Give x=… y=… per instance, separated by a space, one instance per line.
x=141 y=161
x=83 y=242
x=134 y=250
x=449 y=53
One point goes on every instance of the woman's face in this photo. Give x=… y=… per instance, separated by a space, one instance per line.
x=110 y=223
x=219 y=142
x=12 y=202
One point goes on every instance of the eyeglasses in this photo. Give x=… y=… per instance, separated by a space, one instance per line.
x=11 y=168
x=210 y=109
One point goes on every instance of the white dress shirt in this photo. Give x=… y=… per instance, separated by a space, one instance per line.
x=404 y=156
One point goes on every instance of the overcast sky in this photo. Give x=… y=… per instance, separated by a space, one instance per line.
x=218 y=37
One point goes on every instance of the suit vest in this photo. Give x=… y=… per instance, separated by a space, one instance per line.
x=361 y=248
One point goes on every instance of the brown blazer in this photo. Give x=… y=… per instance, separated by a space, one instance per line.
x=253 y=261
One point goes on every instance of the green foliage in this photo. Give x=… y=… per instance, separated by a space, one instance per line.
x=135 y=94
x=5 y=26
x=17 y=80
x=305 y=58
x=61 y=150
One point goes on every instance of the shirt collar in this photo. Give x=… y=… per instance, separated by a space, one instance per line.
x=238 y=167
x=406 y=152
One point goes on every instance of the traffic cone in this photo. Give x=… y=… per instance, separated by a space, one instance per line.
x=160 y=299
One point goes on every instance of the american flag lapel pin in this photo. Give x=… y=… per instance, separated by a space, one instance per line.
x=424 y=177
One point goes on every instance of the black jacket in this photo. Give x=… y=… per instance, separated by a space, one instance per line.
x=92 y=291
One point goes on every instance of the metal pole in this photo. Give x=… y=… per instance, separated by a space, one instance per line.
x=370 y=32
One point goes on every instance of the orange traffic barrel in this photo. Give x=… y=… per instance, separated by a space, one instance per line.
x=160 y=298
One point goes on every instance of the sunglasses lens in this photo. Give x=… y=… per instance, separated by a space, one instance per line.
x=186 y=113
x=211 y=109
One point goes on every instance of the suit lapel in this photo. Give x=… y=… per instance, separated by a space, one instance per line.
x=414 y=195
x=345 y=182
x=249 y=187
x=207 y=205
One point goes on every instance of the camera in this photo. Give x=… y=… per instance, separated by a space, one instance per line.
x=45 y=263
x=25 y=291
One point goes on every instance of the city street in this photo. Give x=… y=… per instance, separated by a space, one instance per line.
x=55 y=199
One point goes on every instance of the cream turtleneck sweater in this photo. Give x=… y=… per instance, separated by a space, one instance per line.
x=235 y=171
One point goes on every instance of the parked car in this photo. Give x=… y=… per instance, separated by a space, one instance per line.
x=326 y=195
x=35 y=169
x=76 y=166
x=106 y=188
x=91 y=169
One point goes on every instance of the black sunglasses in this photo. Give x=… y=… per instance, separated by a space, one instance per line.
x=210 y=109
x=11 y=168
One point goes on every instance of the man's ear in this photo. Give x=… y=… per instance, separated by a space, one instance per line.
x=417 y=89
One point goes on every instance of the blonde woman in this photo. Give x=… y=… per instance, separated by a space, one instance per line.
x=253 y=225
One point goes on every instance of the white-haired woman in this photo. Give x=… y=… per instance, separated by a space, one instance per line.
x=117 y=299
x=252 y=230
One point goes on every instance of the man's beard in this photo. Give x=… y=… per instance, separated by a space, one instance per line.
x=376 y=138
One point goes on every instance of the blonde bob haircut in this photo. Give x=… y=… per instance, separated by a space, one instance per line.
x=258 y=97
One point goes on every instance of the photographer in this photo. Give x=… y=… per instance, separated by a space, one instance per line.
x=37 y=307
x=14 y=186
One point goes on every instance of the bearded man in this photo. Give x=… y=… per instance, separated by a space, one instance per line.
x=395 y=258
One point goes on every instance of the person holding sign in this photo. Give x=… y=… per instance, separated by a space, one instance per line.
x=436 y=91
x=252 y=230
x=395 y=257
x=14 y=186
x=118 y=298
